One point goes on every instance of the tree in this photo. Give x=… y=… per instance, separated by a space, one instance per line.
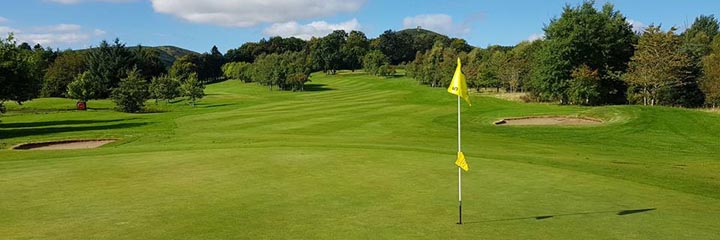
x=238 y=70
x=711 y=80
x=584 y=88
x=109 y=64
x=84 y=88
x=329 y=52
x=18 y=80
x=165 y=88
x=355 y=49
x=148 y=62
x=212 y=64
x=193 y=89
x=706 y=26
x=373 y=61
x=398 y=46
x=658 y=63
x=66 y=67
x=600 y=39
x=184 y=66
x=132 y=92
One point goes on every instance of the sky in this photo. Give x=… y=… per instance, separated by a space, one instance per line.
x=199 y=24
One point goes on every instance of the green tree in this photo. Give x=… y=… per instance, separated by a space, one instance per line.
x=711 y=80
x=329 y=52
x=164 y=88
x=18 y=80
x=354 y=50
x=658 y=63
x=600 y=39
x=238 y=70
x=84 y=88
x=131 y=94
x=373 y=60
x=184 y=66
x=148 y=62
x=584 y=88
x=109 y=64
x=66 y=67
x=398 y=46
x=193 y=89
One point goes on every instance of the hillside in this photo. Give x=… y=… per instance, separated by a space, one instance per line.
x=168 y=54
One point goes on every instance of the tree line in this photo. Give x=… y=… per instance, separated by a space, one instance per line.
x=592 y=56
x=111 y=70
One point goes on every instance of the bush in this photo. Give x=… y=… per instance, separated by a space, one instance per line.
x=193 y=89
x=386 y=70
x=131 y=94
x=84 y=88
x=165 y=88
x=373 y=61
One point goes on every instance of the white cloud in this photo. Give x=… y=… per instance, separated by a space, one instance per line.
x=637 y=26
x=535 y=37
x=2 y=19
x=59 y=36
x=441 y=23
x=250 y=13
x=307 y=31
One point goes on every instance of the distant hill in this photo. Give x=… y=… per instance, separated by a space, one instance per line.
x=168 y=54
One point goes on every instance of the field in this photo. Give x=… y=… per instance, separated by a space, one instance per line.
x=357 y=157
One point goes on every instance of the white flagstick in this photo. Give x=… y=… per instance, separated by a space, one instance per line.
x=459 y=169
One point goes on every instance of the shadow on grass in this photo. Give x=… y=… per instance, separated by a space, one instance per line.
x=56 y=123
x=543 y=217
x=316 y=87
x=15 y=133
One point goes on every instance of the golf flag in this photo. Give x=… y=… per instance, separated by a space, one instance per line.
x=458 y=86
x=460 y=162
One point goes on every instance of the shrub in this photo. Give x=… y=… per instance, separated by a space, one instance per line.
x=131 y=94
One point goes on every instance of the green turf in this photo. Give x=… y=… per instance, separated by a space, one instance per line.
x=357 y=157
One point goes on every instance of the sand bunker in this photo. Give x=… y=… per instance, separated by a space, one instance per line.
x=63 y=145
x=544 y=121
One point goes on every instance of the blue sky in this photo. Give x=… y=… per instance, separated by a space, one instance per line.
x=198 y=25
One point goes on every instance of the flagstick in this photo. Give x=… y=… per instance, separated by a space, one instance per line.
x=459 y=170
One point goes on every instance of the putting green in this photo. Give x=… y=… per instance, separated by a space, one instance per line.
x=357 y=157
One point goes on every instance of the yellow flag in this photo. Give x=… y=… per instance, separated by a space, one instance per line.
x=460 y=162
x=458 y=86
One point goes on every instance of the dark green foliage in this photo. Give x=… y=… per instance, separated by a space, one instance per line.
x=164 y=88
x=148 y=62
x=354 y=50
x=84 y=88
x=109 y=64
x=61 y=72
x=19 y=76
x=600 y=39
x=329 y=54
x=277 y=69
x=132 y=92
x=193 y=88
x=248 y=52
x=435 y=67
x=212 y=65
x=398 y=46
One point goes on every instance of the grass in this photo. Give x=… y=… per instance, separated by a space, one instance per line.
x=357 y=157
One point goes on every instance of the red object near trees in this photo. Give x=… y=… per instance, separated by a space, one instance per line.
x=81 y=106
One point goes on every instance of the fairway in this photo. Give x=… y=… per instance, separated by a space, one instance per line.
x=357 y=157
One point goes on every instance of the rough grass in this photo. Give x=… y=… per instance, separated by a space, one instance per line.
x=357 y=157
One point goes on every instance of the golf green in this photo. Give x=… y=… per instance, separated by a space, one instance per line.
x=357 y=157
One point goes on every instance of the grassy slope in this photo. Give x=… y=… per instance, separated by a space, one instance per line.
x=359 y=157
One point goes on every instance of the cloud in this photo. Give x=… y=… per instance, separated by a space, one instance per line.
x=307 y=31
x=535 y=37
x=637 y=26
x=250 y=13
x=2 y=19
x=60 y=35
x=441 y=23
